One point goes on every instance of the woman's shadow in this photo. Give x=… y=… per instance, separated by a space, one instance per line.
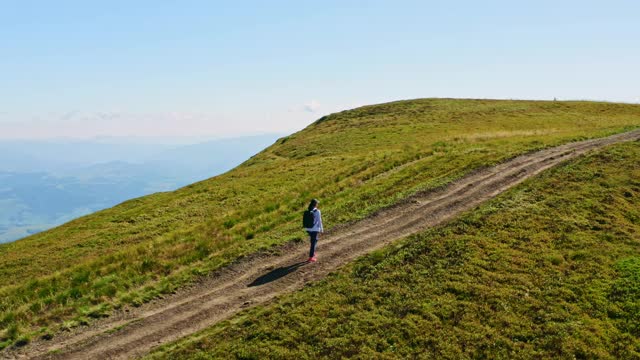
x=276 y=274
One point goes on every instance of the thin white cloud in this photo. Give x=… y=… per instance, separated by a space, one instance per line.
x=69 y=116
x=311 y=106
x=113 y=123
x=128 y=124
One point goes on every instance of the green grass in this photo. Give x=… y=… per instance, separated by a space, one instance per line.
x=549 y=269
x=355 y=161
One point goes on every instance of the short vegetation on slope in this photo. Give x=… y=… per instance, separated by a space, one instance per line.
x=550 y=269
x=356 y=161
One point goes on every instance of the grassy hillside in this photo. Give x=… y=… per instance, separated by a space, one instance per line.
x=355 y=161
x=550 y=269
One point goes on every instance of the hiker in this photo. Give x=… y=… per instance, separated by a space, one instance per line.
x=312 y=222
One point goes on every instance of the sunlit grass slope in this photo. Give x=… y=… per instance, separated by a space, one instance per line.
x=355 y=161
x=548 y=270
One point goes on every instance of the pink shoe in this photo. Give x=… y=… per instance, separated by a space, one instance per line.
x=312 y=259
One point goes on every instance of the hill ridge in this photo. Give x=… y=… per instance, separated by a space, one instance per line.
x=259 y=279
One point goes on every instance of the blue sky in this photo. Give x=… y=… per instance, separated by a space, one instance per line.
x=166 y=68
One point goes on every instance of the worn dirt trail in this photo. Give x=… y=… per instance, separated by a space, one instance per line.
x=259 y=279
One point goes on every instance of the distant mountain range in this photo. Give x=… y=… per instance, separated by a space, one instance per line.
x=47 y=183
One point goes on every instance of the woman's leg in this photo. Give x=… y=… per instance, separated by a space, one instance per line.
x=313 y=237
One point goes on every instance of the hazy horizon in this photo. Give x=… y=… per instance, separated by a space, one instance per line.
x=47 y=183
x=139 y=139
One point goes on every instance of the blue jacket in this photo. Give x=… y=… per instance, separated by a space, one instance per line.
x=317 y=221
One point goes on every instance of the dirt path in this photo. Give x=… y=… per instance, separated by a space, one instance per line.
x=257 y=280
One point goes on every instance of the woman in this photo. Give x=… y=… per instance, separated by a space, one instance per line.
x=314 y=230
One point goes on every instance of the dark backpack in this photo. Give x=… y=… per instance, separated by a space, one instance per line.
x=308 y=219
